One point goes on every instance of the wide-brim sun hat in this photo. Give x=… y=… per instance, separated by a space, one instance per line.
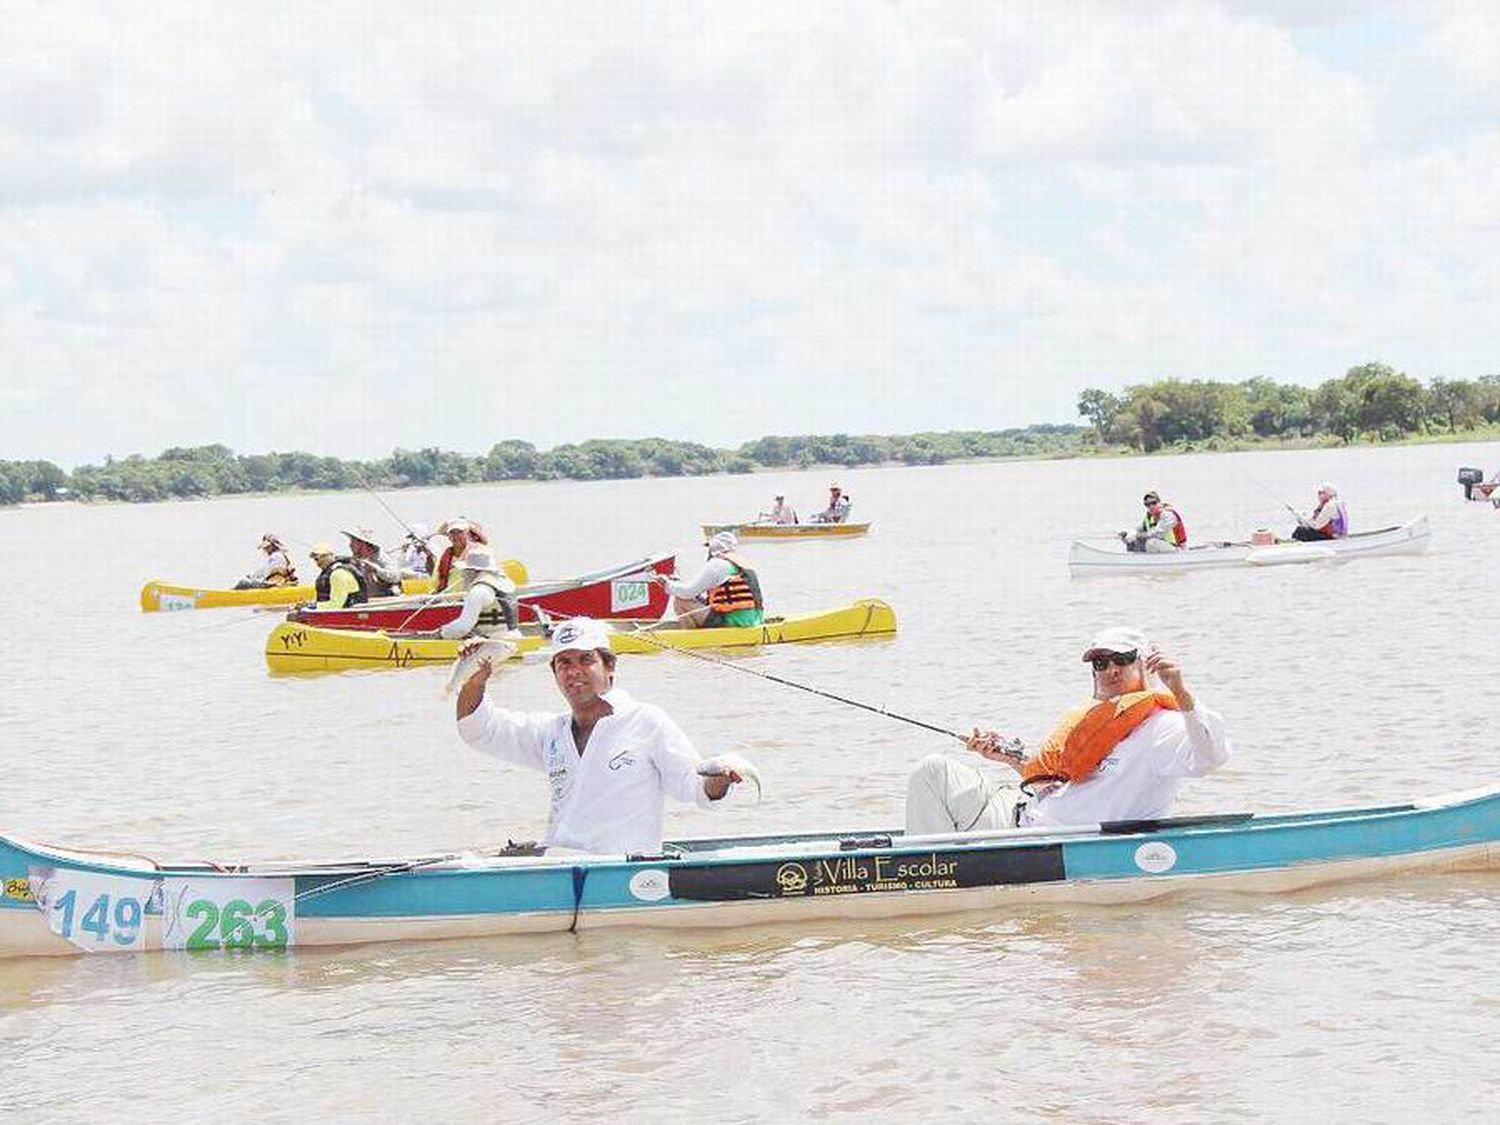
x=723 y=543
x=363 y=534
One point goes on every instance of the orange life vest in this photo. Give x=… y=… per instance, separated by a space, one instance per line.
x=1087 y=736
x=740 y=591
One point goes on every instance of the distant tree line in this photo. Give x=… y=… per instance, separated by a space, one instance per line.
x=1373 y=402
x=1370 y=402
x=216 y=470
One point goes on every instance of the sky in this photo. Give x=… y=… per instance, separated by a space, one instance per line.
x=346 y=228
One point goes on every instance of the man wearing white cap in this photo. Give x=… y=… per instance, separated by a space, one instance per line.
x=1120 y=757
x=1329 y=520
x=489 y=597
x=609 y=760
x=726 y=591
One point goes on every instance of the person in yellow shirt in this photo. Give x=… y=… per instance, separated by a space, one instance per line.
x=340 y=582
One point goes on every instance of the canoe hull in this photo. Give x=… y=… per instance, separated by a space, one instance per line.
x=166 y=597
x=619 y=593
x=295 y=648
x=789 y=532
x=737 y=882
x=1085 y=559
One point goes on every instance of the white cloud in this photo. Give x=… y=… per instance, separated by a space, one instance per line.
x=352 y=226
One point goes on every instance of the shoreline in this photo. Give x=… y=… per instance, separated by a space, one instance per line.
x=1210 y=445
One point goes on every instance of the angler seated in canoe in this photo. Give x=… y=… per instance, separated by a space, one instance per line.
x=1161 y=531
x=1118 y=758
x=610 y=761
x=1329 y=519
x=724 y=592
x=277 y=570
x=489 y=598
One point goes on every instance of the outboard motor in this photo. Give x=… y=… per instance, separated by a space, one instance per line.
x=1469 y=478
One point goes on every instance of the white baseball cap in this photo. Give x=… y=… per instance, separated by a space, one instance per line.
x=1116 y=640
x=723 y=543
x=581 y=633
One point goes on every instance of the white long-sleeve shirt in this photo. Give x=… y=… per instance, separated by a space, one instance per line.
x=1139 y=779
x=478 y=598
x=715 y=572
x=607 y=800
x=275 y=561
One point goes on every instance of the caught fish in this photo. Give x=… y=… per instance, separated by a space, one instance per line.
x=732 y=763
x=494 y=650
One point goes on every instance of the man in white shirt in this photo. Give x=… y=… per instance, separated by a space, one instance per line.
x=609 y=760
x=725 y=591
x=1119 y=758
x=782 y=512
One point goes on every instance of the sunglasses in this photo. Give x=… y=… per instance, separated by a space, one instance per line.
x=1118 y=659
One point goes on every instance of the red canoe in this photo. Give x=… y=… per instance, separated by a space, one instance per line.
x=619 y=592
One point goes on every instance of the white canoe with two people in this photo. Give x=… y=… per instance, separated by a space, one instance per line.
x=1410 y=538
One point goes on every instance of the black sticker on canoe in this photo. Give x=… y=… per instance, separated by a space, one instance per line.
x=867 y=874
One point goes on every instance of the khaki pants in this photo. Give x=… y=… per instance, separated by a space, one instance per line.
x=946 y=795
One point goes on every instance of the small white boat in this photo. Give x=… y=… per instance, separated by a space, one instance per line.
x=1410 y=538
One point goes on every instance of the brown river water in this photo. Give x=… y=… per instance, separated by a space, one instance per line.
x=1371 y=681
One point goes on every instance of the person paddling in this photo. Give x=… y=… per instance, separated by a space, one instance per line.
x=1120 y=757
x=1329 y=520
x=277 y=569
x=726 y=591
x=610 y=761
x=1160 y=532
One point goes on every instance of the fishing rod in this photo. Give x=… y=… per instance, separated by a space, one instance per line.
x=388 y=509
x=1301 y=519
x=889 y=714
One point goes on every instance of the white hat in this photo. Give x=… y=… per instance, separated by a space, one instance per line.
x=723 y=543
x=478 y=560
x=1116 y=639
x=581 y=633
x=459 y=524
x=363 y=534
x=1328 y=488
x=420 y=531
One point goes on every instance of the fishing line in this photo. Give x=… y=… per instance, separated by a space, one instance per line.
x=644 y=635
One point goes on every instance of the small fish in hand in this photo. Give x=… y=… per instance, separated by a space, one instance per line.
x=493 y=649
x=732 y=763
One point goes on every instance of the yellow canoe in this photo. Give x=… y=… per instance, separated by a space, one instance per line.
x=788 y=530
x=303 y=648
x=163 y=597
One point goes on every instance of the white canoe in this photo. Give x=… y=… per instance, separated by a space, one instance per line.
x=1409 y=539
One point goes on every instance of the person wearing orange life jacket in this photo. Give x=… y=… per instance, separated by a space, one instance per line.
x=1161 y=532
x=1120 y=757
x=725 y=592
